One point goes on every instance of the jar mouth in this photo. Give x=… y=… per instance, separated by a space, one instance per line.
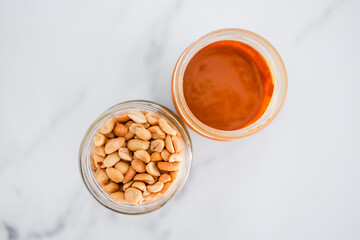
x=85 y=158
x=271 y=57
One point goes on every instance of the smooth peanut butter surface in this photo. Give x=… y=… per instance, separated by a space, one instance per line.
x=228 y=85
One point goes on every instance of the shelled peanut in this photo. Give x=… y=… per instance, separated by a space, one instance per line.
x=136 y=157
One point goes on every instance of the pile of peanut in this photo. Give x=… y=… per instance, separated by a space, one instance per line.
x=136 y=157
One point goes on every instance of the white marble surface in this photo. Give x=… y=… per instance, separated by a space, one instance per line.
x=63 y=62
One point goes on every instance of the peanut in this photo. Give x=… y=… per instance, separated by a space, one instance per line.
x=156 y=187
x=176 y=157
x=165 y=154
x=114 y=174
x=98 y=160
x=156 y=132
x=143 y=133
x=155 y=157
x=133 y=196
x=138 y=166
x=107 y=127
x=127 y=185
x=157 y=145
x=129 y=135
x=165 y=126
x=152 y=118
x=142 y=155
x=99 y=139
x=164 y=178
x=120 y=129
x=114 y=144
x=137 y=117
x=129 y=175
x=174 y=175
x=111 y=159
x=118 y=197
x=133 y=127
x=110 y=135
x=139 y=185
x=151 y=196
x=166 y=187
x=177 y=144
x=169 y=144
x=146 y=193
x=123 y=167
x=101 y=176
x=128 y=123
x=125 y=154
x=152 y=169
x=135 y=144
x=122 y=118
x=144 y=177
x=111 y=187
x=100 y=150
x=169 y=166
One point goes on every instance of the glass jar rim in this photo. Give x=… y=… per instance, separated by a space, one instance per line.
x=85 y=158
x=274 y=62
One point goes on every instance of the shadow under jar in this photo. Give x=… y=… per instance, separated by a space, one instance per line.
x=87 y=171
x=229 y=84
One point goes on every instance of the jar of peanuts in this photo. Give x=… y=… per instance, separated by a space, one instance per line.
x=135 y=157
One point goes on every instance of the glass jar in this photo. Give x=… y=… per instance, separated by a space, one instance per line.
x=274 y=62
x=87 y=172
